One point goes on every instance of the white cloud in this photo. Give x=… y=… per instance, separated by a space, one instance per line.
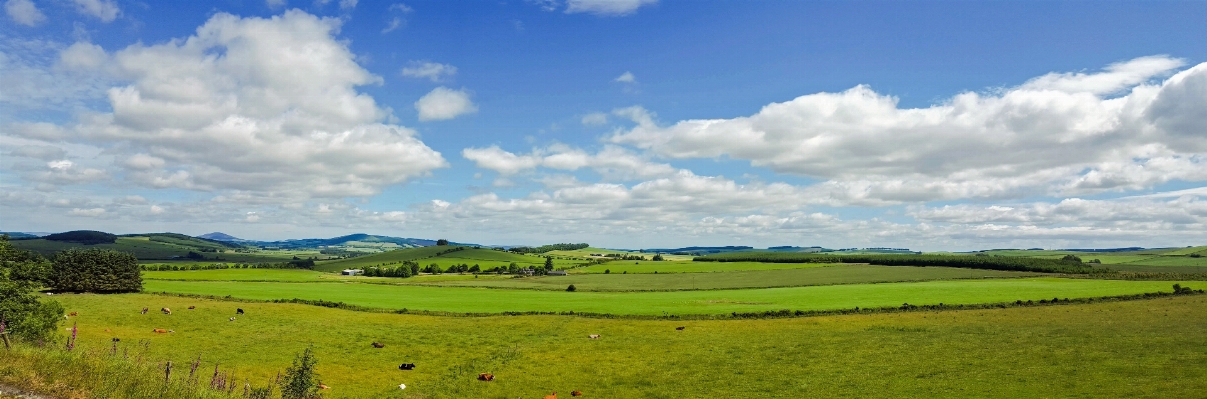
x=348 y=4
x=434 y=71
x=93 y=212
x=403 y=8
x=1052 y=136
x=443 y=103
x=393 y=25
x=606 y=7
x=612 y=162
x=626 y=77
x=24 y=12
x=595 y=119
x=275 y=113
x=275 y=3
x=105 y=10
x=83 y=56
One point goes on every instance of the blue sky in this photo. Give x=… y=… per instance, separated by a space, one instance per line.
x=624 y=123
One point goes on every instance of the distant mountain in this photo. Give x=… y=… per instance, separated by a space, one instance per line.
x=342 y=240
x=16 y=235
x=699 y=250
x=218 y=236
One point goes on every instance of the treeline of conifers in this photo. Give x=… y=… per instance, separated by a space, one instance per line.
x=1021 y=264
x=546 y=248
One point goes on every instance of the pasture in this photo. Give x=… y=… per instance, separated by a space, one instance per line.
x=1141 y=348
x=482 y=300
x=484 y=258
x=631 y=266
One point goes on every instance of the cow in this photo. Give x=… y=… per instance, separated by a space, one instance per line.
x=379 y=345
x=553 y=396
x=576 y=393
x=73 y=314
x=593 y=336
x=402 y=386
x=239 y=311
x=321 y=386
x=406 y=366
x=166 y=311
x=192 y=307
x=232 y=319
x=486 y=377
x=160 y=331
x=680 y=328
x=144 y=310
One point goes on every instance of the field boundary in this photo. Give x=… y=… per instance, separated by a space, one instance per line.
x=769 y=314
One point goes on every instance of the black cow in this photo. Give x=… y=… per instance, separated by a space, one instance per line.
x=239 y=311
x=406 y=366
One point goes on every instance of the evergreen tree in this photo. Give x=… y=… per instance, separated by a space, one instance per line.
x=95 y=270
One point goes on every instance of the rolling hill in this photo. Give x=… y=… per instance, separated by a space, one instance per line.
x=442 y=255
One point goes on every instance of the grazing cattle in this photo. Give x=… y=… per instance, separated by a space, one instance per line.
x=576 y=393
x=160 y=330
x=593 y=336
x=486 y=377
x=192 y=307
x=680 y=328
x=166 y=311
x=73 y=314
x=321 y=386
x=402 y=386
x=406 y=366
x=144 y=310
x=553 y=396
x=116 y=339
x=379 y=345
x=232 y=319
x=239 y=311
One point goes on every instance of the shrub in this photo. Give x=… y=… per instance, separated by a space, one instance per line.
x=607 y=271
x=571 y=288
x=95 y=270
x=1071 y=258
x=300 y=380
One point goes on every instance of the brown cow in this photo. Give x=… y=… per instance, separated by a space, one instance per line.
x=593 y=336
x=144 y=310
x=680 y=328
x=160 y=330
x=321 y=386
x=486 y=377
x=192 y=307
x=553 y=396
x=379 y=345
x=576 y=393
x=73 y=314
x=166 y=311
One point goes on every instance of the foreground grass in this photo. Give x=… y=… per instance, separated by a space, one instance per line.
x=95 y=373
x=479 y=300
x=1136 y=349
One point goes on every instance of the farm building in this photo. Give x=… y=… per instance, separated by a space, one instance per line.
x=352 y=272
x=557 y=272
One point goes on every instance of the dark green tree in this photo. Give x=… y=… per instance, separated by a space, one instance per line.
x=548 y=263
x=442 y=242
x=658 y=257
x=95 y=270
x=571 y=288
x=1071 y=258
x=301 y=381
x=25 y=316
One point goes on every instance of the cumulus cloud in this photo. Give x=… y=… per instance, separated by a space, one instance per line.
x=24 y=12
x=429 y=70
x=595 y=119
x=612 y=162
x=443 y=103
x=92 y=212
x=609 y=8
x=1054 y=135
x=626 y=77
x=248 y=104
x=105 y=10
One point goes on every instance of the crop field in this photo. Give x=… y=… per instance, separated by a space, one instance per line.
x=481 y=300
x=1141 y=348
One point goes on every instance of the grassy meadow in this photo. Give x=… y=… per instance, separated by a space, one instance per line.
x=1139 y=349
x=481 y=300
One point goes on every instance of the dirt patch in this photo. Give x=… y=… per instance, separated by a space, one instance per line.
x=9 y=392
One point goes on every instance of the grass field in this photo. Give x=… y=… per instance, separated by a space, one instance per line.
x=480 y=300
x=629 y=266
x=484 y=258
x=1134 y=349
x=239 y=275
x=840 y=274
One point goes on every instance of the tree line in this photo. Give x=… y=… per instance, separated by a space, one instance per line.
x=546 y=248
x=1024 y=264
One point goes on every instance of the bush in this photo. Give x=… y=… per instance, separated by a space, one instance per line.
x=22 y=314
x=300 y=380
x=95 y=270
x=1071 y=258
x=571 y=288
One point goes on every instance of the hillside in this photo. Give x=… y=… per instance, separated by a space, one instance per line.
x=344 y=240
x=443 y=255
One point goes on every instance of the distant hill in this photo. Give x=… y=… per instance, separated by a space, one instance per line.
x=150 y=246
x=16 y=235
x=443 y=254
x=343 y=240
x=218 y=236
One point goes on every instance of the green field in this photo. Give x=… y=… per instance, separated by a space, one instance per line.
x=481 y=300
x=629 y=266
x=840 y=274
x=484 y=258
x=239 y=275
x=1135 y=349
